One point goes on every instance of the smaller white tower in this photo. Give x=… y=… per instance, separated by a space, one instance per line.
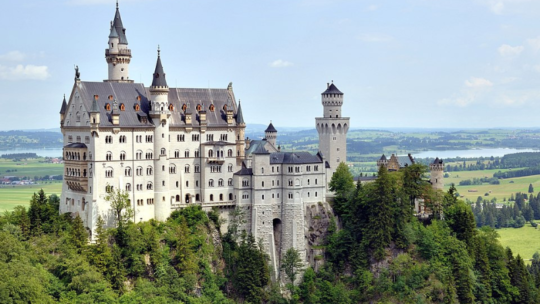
x=437 y=171
x=118 y=55
x=270 y=134
x=159 y=112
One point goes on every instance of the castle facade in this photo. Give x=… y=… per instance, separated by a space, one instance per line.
x=169 y=148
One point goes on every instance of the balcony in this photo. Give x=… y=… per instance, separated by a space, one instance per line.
x=124 y=52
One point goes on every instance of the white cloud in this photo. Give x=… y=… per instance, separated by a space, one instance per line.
x=534 y=43
x=13 y=56
x=508 y=50
x=280 y=64
x=375 y=37
x=473 y=91
x=478 y=83
x=24 y=72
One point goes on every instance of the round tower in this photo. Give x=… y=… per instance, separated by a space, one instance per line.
x=437 y=174
x=383 y=161
x=332 y=128
x=270 y=134
x=159 y=112
x=118 y=55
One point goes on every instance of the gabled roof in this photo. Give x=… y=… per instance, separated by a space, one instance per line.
x=383 y=157
x=239 y=116
x=294 y=158
x=159 y=74
x=119 y=27
x=332 y=89
x=64 y=106
x=271 y=129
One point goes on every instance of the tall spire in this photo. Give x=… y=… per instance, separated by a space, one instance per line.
x=159 y=74
x=95 y=108
x=239 y=116
x=119 y=27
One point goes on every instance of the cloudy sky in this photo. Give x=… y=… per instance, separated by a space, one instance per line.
x=406 y=63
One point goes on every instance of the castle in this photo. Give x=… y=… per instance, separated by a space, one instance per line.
x=169 y=148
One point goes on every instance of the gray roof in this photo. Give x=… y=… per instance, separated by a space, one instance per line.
x=75 y=145
x=64 y=106
x=332 y=89
x=405 y=161
x=294 y=158
x=119 y=27
x=383 y=157
x=244 y=171
x=437 y=161
x=159 y=74
x=271 y=129
x=239 y=116
x=254 y=145
x=95 y=107
x=260 y=150
x=128 y=94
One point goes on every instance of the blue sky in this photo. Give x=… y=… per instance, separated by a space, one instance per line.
x=400 y=63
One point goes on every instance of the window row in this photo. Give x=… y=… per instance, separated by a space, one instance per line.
x=220 y=182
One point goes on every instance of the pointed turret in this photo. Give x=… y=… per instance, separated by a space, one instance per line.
x=63 y=111
x=270 y=134
x=94 y=112
x=239 y=116
x=159 y=80
x=119 y=27
x=95 y=108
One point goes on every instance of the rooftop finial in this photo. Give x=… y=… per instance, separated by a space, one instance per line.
x=158 y=50
x=116 y=3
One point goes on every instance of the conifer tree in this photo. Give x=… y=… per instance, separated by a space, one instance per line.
x=78 y=234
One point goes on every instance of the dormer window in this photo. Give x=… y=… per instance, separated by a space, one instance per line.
x=137 y=107
x=225 y=107
x=122 y=107
x=110 y=97
x=199 y=107
x=184 y=107
x=171 y=107
x=212 y=107
x=108 y=106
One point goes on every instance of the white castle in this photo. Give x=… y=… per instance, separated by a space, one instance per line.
x=169 y=148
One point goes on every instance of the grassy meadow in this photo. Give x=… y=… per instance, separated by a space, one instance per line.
x=11 y=196
x=501 y=191
x=524 y=241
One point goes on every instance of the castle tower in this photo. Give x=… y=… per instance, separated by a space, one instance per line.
x=270 y=134
x=118 y=55
x=437 y=171
x=332 y=128
x=159 y=112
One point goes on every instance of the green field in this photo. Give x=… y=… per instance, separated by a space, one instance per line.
x=11 y=196
x=504 y=190
x=524 y=241
x=20 y=195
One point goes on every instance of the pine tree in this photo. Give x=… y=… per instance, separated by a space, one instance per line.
x=78 y=234
x=531 y=189
x=25 y=224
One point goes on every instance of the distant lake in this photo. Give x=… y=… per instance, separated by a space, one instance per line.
x=39 y=152
x=488 y=152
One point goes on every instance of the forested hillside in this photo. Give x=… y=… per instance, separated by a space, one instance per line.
x=382 y=254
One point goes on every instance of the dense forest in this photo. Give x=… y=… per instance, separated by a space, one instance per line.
x=376 y=251
x=525 y=208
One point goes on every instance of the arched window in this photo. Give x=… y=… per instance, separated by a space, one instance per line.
x=210 y=153
x=137 y=107
x=149 y=170
x=211 y=183
x=211 y=197
x=122 y=155
x=221 y=197
x=108 y=156
x=163 y=151
x=262 y=170
x=177 y=153
x=184 y=107
x=139 y=171
x=230 y=196
x=149 y=186
x=128 y=187
x=230 y=183
x=186 y=153
x=220 y=182
x=212 y=107
x=172 y=169
x=186 y=168
x=229 y=153
x=171 y=107
x=122 y=107
x=128 y=171
x=230 y=168
x=199 y=107
x=108 y=106
x=177 y=198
